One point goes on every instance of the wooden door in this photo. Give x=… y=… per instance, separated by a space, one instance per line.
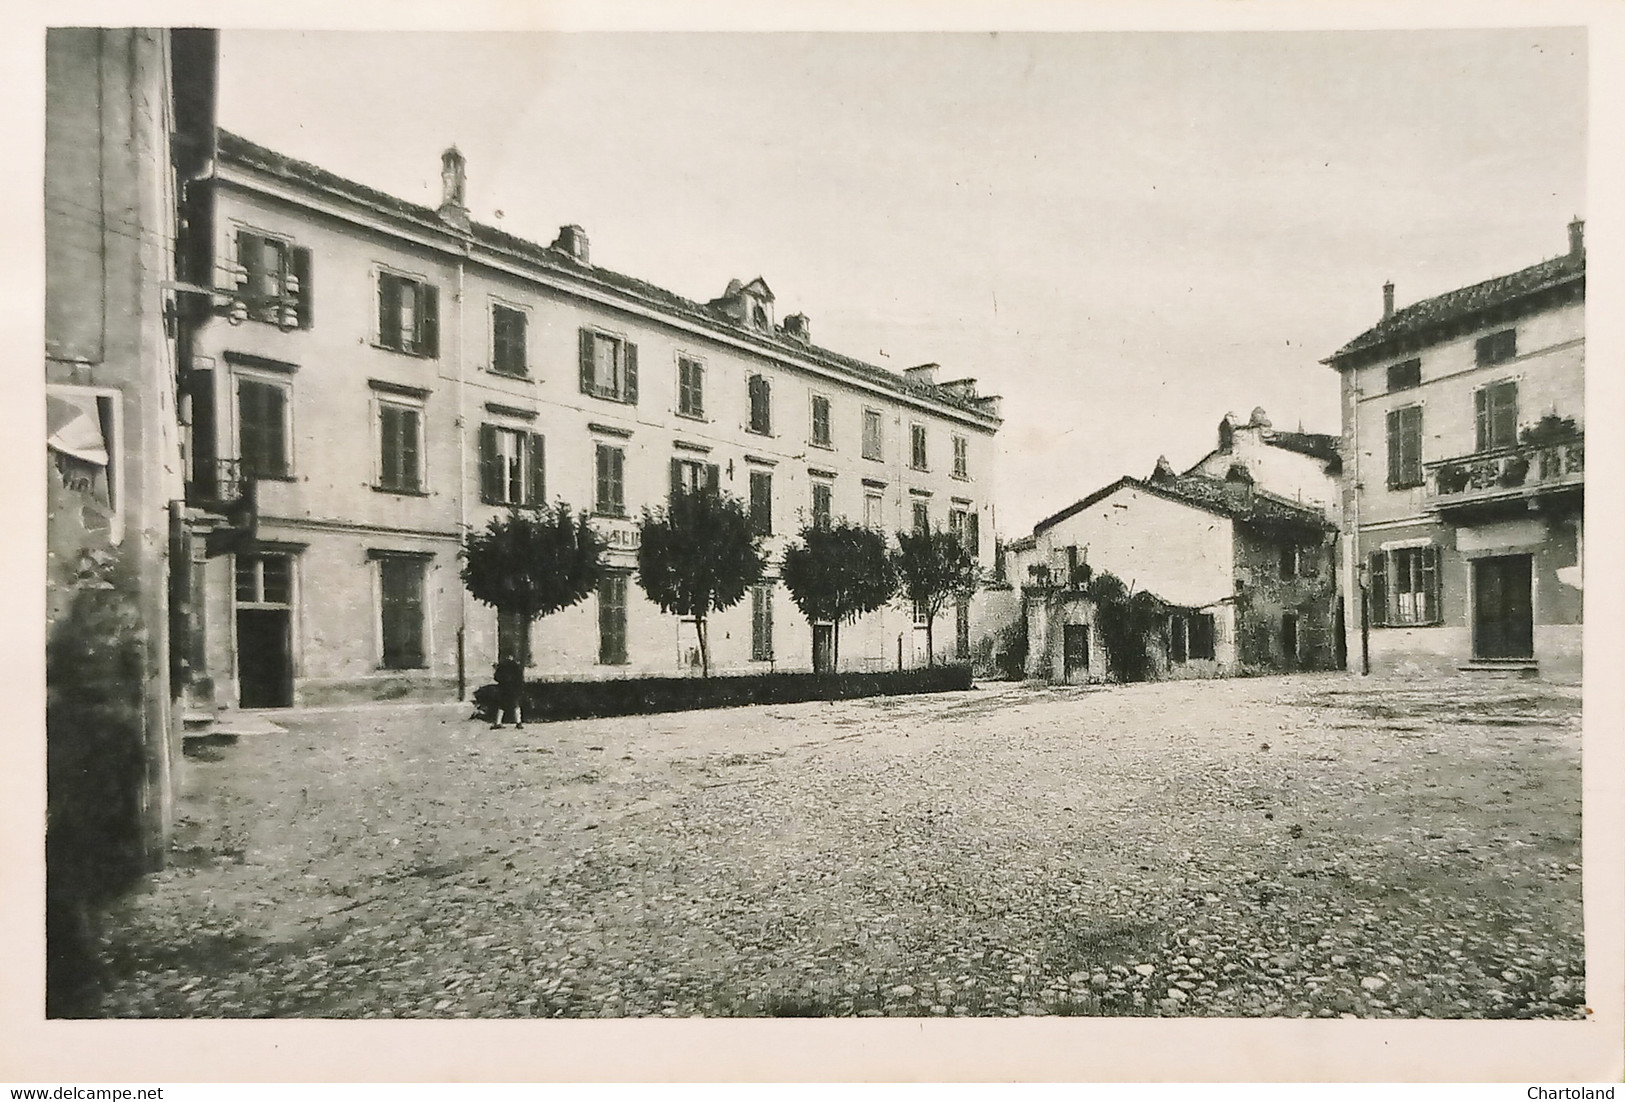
x=1503 y=612
x=1074 y=649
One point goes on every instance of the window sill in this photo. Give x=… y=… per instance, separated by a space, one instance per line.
x=700 y=417
x=821 y=447
x=922 y=470
x=259 y=476
x=401 y=492
x=401 y=669
x=765 y=433
x=607 y=515
x=511 y=504
x=522 y=376
x=616 y=398
x=405 y=351
x=1427 y=624
x=960 y=477
x=874 y=458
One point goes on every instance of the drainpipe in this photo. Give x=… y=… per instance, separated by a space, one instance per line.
x=1353 y=582
x=462 y=482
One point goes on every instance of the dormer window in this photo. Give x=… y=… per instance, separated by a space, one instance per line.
x=748 y=304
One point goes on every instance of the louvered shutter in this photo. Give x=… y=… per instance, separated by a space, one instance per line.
x=629 y=392
x=491 y=473
x=586 y=349
x=428 y=319
x=251 y=257
x=389 y=310
x=388 y=451
x=676 y=478
x=1481 y=418
x=409 y=425
x=713 y=478
x=1378 y=596
x=518 y=363
x=536 y=457
x=1396 y=437
x=301 y=271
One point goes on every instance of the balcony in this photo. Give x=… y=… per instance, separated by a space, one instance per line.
x=1516 y=478
x=222 y=503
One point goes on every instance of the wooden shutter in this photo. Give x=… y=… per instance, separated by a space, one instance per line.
x=1481 y=417
x=713 y=478
x=536 y=458
x=492 y=480
x=629 y=388
x=428 y=319
x=409 y=423
x=1429 y=590
x=676 y=478
x=301 y=271
x=275 y=414
x=389 y=310
x=1396 y=446
x=1378 y=595
x=973 y=534
x=251 y=256
x=585 y=346
x=761 y=502
x=388 y=453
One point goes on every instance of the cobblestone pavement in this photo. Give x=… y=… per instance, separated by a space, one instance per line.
x=1301 y=846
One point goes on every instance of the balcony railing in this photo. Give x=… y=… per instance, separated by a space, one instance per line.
x=224 y=491
x=1515 y=472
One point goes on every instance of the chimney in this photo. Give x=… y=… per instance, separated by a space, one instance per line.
x=572 y=242
x=797 y=327
x=453 y=188
x=1164 y=471
x=1387 y=300
x=924 y=373
x=1577 y=238
x=1259 y=419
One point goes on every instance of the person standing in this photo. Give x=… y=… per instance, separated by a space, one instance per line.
x=510 y=680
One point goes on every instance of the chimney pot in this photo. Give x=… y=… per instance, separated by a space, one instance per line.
x=1387 y=300
x=799 y=328
x=1577 y=237
x=922 y=373
x=454 y=188
x=572 y=241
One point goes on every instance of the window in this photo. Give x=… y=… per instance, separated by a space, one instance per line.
x=872 y=440
x=1405 y=376
x=610 y=493
x=1497 y=347
x=692 y=476
x=612 y=619
x=1289 y=561
x=690 y=387
x=822 y=493
x=761 y=623
x=956 y=524
x=508 y=341
x=922 y=518
x=513 y=644
x=761 y=502
x=1404 y=586
x=965 y=525
x=408 y=315
x=874 y=511
x=609 y=367
x=761 y=404
x=1178 y=650
x=820 y=421
x=400 y=588
x=262 y=428
x=1495 y=410
x=1200 y=630
x=274 y=279
x=400 y=437
x=512 y=467
x=1404 y=447
x=961 y=457
x=917 y=451
x=264 y=579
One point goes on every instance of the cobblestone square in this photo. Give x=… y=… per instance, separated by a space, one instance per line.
x=1316 y=845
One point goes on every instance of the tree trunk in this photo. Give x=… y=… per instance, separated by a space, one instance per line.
x=524 y=640
x=930 y=647
x=835 y=648
x=705 y=649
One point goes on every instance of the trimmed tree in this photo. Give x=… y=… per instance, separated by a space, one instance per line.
x=698 y=555
x=532 y=563
x=838 y=574
x=932 y=567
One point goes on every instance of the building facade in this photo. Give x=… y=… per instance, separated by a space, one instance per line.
x=1464 y=432
x=397 y=375
x=129 y=121
x=1241 y=547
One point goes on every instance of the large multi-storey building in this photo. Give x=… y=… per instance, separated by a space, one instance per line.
x=389 y=376
x=1464 y=474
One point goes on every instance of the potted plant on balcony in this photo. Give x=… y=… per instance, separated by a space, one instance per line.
x=1550 y=429
x=1515 y=470
x=1452 y=479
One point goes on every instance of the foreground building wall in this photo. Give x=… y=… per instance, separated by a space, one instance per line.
x=420 y=374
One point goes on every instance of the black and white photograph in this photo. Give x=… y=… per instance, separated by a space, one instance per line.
x=1053 y=526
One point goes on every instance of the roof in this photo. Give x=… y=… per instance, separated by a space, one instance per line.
x=238 y=150
x=1318 y=445
x=1430 y=314
x=1239 y=502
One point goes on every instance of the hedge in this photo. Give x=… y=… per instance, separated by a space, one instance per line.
x=553 y=700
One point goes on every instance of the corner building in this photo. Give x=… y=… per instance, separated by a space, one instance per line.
x=383 y=377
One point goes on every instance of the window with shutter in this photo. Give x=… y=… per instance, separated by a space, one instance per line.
x=761 y=502
x=1497 y=347
x=1405 y=447
x=536 y=479
x=1405 y=376
x=262 y=428
x=400 y=585
x=609 y=367
x=822 y=496
x=690 y=387
x=1495 y=410
x=1404 y=586
x=871 y=434
x=609 y=496
x=408 y=315
x=917 y=456
x=761 y=404
x=922 y=518
x=820 y=421
x=400 y=432
x=612 y=619
x=508 y=341
x=961 y=457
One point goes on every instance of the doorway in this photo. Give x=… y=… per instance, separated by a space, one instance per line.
x=1289 y=639
x=264 y=591
x=1074 y=650
x=1503 y=609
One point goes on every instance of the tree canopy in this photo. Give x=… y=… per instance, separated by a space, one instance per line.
x=532 y=563
x=698 y=555
x=933 y=567
x=837 y=574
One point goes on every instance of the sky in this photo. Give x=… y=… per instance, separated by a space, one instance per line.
x=1126 y=235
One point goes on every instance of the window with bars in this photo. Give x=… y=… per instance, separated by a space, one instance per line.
x=608 y=366
x=408 y=315
x=820 y=421
x=610 y=487
x=873 y=442
x=761 y=623
x=1404 y=447
x=508 y=341
x=1404 y=586
x=761 y=502
x=1495 y=415
x=400 y=446
x=513 y=466
x=612 y=619
x=690 y=387
x=961 y=457
x=262 y=428
x=760 y=390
